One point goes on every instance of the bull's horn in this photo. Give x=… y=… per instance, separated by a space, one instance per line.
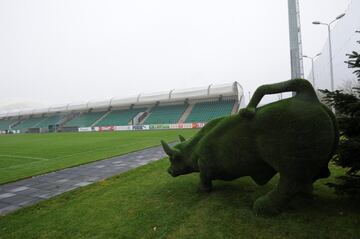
x=182 y=139
x=169 y=151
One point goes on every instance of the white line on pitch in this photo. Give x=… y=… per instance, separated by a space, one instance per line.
x=21 y=157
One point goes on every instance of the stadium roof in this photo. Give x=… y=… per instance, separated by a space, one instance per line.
x=174 y=95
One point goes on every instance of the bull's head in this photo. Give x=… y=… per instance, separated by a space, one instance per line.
x=179 y=164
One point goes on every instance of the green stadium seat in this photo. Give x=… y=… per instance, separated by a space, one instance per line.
x=165 y=114
x=85 y=119
x=51 y=120
x=206 y=111
x=28 y=123
x=5 y=123
x=120 y=117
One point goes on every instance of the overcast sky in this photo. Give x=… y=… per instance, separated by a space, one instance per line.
x=54 y=51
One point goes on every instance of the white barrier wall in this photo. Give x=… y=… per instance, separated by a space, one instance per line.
x=143 y=127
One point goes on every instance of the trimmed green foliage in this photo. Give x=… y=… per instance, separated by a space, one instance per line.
x=295 y=137
x=148 y=203
x=347 y=105
x=25 y=155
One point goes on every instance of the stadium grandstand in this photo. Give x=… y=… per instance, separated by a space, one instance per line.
x=186 y=108
x=119 y=117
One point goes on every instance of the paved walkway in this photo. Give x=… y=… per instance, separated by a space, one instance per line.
x=30 y=191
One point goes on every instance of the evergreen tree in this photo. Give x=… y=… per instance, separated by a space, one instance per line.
x=347 y=106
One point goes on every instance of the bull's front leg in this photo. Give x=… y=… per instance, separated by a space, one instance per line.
x=205 y=181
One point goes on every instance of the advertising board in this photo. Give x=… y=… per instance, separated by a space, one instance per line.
x=85 y=129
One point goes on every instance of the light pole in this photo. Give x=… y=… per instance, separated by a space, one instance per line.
x=297 y=69
x=330 y=47
x=312 y=66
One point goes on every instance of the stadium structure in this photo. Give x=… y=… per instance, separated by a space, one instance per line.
x=174 y=109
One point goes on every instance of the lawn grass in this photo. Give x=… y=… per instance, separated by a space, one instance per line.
x=25 y=155
x=147 y=203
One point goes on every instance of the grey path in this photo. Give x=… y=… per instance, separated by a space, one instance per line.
x=30 y=191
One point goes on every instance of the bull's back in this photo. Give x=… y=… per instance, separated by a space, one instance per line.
x=294 y=132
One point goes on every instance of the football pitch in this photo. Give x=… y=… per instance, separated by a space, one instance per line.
x=26 y=155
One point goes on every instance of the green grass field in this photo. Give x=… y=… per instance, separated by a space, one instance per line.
x=25 y=155
x=148 y=203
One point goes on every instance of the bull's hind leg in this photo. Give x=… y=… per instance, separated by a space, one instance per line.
x=273 y=202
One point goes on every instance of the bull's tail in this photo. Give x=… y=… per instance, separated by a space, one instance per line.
x=303 y=89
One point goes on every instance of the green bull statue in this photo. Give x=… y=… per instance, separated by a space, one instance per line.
x=294 y=137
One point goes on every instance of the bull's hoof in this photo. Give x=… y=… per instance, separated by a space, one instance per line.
x=264 y=206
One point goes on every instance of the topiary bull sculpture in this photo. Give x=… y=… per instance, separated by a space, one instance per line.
x=294 y=137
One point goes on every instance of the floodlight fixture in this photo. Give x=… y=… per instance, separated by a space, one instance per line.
x=340 y=16
x=312 y=66
x=330 y=47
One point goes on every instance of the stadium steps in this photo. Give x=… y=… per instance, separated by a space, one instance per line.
x=119 y=117
x=51 y=120
x=84 y=120
x=235 y=108
x=139 y=117
x=147 y=116
x=28 y=123
x=39 y=123
x=167 y=114
x=206 y=111
x=67 y=118
x=6 y=124
x=101 y=118
x=186 y=113
x=14 y=123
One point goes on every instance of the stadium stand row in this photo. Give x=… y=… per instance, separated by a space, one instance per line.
x=168 y=114
x=206 y=111
x=165 y=114
x=194 y=106
x=85 y=119
x=39 y=122
x=28 y=123
x=51 y=120
x=119 y=117
x=6 y=123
